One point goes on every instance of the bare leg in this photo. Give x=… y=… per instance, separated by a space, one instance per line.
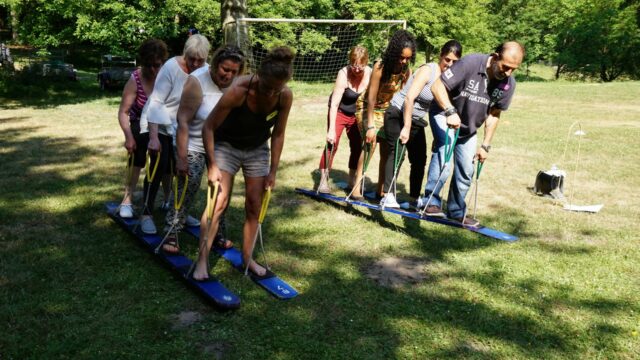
x=131 y=186
x=201 y=271
x=253 y=202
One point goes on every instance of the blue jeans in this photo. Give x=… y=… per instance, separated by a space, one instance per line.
x=463 y=154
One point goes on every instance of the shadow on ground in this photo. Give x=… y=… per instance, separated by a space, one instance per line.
x=77 y=284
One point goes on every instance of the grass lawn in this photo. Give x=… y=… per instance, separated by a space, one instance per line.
x=74 y=285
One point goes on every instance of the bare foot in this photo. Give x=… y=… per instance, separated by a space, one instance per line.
x=257 y=269
x=200 y=273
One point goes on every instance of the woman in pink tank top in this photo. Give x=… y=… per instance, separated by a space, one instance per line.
x=152 y=54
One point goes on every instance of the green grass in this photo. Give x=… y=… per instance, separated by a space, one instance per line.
x=74 y=285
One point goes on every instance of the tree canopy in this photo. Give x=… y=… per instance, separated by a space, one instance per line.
x=591 y=38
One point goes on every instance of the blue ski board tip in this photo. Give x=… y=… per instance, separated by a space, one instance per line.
x=212 y=289
x=482 y=230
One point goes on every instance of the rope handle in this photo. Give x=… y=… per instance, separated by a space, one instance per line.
x=129 y=170
x=397 y=159
x=265 y=204
x=211 y=200
x=448 y=148
x=367 y=156
x=479 y=169
x=151 y=175
x=177 y=202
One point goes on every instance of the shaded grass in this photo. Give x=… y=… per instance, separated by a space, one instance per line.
x=73 y=285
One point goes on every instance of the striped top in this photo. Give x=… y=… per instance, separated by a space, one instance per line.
x=423 y=100
x=141 y=98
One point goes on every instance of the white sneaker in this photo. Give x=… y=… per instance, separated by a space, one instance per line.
x=191 y=221
x=147 y=226
x=389 y=200
x=126 y=211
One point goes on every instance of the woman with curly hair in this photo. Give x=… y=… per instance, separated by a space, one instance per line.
x=406 y=118
x=388 y=76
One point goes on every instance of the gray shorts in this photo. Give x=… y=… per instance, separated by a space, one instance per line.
x=254 y=162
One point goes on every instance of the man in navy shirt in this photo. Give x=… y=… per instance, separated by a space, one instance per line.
x=472 y=92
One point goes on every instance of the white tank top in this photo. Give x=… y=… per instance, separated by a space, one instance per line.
x=211 y=94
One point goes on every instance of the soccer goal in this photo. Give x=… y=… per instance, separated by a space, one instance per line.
x=321 y=46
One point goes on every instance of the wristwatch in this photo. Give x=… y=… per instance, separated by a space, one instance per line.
x=450 y=111
x=370 y=127
x=485 y=147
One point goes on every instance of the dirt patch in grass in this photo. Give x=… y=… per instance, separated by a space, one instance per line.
x=394 y=272
x=185 y=319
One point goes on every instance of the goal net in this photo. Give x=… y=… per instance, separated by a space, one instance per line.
x=321 y=46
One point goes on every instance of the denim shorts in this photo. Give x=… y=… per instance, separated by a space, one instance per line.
x=253 y=162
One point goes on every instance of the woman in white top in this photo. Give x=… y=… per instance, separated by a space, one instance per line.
x=201 y=93
x=159 y=116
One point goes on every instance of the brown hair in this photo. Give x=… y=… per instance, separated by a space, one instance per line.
x=278 y=64
x=228 y=52
x=152 y=50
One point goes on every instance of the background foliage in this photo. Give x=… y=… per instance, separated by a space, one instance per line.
x=586 y=38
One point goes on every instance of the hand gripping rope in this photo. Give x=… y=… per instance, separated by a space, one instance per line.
x=263 y=212
x=328 y=156
x=396 y=166
x=448 y=153
x=475 y=192
x=368 y=150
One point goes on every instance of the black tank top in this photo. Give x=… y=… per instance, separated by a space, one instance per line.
x=348 y=102
x=244 y=129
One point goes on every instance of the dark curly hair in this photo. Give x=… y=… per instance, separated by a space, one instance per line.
x=400 y=40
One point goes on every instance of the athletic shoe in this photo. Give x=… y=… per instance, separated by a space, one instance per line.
x=147 y=226
x=389 y=201
x=191 y=221
x=165 y=206
x=435 y=211
x=469 y=221
x=126 y=211
x=323 y=188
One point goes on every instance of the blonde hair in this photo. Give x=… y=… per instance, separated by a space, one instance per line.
x=197 y=45
x=359 y=54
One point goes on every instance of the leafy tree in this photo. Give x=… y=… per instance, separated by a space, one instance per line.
x=603 y=41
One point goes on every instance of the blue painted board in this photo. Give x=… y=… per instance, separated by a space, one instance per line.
x=482 y=230
x=270 y=282
x=212 y=290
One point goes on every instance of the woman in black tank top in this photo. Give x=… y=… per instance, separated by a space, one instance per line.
x=241 y=124
x=352 y=80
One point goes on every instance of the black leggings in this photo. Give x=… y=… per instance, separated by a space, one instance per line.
x=416 y=147
x=164 y=166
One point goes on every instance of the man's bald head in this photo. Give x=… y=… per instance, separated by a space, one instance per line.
x=506 y=59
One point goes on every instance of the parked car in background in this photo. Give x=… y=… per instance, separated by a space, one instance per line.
x=52 y=68
x=115 y=71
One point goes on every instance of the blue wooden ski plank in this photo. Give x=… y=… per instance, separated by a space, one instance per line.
x=272 y=284
x=482 y=230
x=213 y=290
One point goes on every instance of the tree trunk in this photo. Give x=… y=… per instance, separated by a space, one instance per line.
x=14 y=23
x=230 y=11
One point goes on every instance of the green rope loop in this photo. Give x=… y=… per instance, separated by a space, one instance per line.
x=448 y=149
